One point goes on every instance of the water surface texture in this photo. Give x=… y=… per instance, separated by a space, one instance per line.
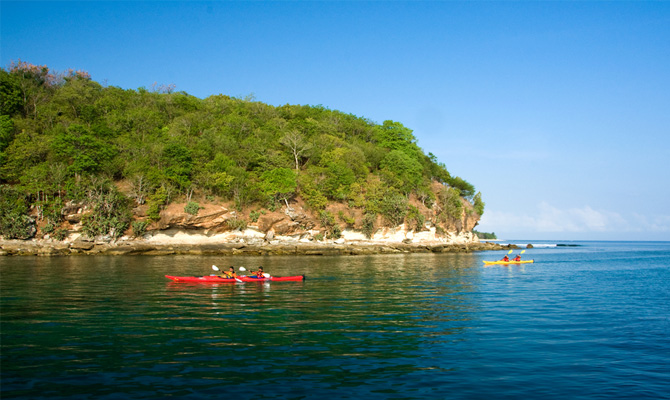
x=582 y=322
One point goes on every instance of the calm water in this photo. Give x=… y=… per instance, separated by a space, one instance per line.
x=584 y=322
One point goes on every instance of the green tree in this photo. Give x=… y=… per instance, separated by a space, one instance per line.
x=406 y=169
x=14 y=223
x=178 y=164
x=479 y=203
x=11 y=100
x=394 y=208
x=78 y=147
x=395 y=136
x=6 y=135
x=156 y=203
x=464 y=187
x=279 y=184
x=111 y=213
x=450 y=203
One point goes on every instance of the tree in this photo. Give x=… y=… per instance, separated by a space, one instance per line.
x=82 y=150
x=450 y=203
x=405 y=168
x=6 y=133
x=395 y=136
x=279 y=184
x=298 y=145
x=178 y=164
x=394 y=208
x=61 y=134
x=479 y=204
x=11 y=100
x=34 y=84
x=465 y=188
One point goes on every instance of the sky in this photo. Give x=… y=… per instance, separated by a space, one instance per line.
x=558 y=112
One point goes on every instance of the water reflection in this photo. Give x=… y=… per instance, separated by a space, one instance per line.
x=355 y=320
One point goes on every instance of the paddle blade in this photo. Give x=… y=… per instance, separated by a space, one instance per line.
x=242 y=269
x=266 y=275
x=510 y=252
x=215 y=268
x=522 y=251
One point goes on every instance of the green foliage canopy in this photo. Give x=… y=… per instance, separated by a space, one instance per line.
x=60 y=133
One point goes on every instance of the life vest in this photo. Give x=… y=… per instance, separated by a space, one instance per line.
x=517 y=258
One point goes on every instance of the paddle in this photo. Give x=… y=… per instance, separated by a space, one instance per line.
x=215 y=268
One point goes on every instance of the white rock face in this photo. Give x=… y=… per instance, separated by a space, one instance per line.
x=252 y=235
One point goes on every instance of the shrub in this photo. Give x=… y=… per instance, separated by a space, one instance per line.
x=192 y=208
x=369 y=221
x=236 y=224
x=415 y=220
x=48 y=228
x=327 y=219
x=394 y=208
x=60 y=234
x=347 y=219
x=254 y=215
x=335 y=232
x=309 y=191
x=139 y=228
x=14 y=223
x=156 y=203
x=16 y=226
x=110 y=216
x=450 y=201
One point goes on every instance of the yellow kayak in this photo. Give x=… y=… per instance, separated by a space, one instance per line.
x=508 y=262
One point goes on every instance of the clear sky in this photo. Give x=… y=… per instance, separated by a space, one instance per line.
x=558 y=112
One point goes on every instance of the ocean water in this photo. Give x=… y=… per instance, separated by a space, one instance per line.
x=586 y=320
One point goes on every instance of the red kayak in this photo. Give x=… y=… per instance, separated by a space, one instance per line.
x=218 y=279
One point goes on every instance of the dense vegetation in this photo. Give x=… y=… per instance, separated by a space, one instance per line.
x=485 y=235
x=67 y=139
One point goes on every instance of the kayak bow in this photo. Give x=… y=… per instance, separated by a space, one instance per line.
x=508 y=262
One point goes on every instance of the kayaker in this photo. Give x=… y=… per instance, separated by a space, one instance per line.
x=231 y=273
x=518 y=257
x=505 y=258
x=259 y=273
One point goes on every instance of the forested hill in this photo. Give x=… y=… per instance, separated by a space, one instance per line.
x=66 y=139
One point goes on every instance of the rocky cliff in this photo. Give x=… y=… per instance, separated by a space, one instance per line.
x=292 y=229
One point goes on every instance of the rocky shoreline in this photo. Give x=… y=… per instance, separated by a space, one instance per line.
x=46 y=247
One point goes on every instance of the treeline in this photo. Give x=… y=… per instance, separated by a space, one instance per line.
x=65 y=138
x=485 y=235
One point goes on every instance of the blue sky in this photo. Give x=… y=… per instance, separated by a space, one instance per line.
x=558 y=112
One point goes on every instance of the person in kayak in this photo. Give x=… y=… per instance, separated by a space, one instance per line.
x=517 y=258
x=231 y=273
x=259 y=273
x=505 y=258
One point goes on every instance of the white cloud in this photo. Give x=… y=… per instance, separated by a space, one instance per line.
x=551 y=219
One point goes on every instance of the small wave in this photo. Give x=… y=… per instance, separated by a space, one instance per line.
x=551 y=245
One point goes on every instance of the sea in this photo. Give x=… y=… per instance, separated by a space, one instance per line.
x=585 y=320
